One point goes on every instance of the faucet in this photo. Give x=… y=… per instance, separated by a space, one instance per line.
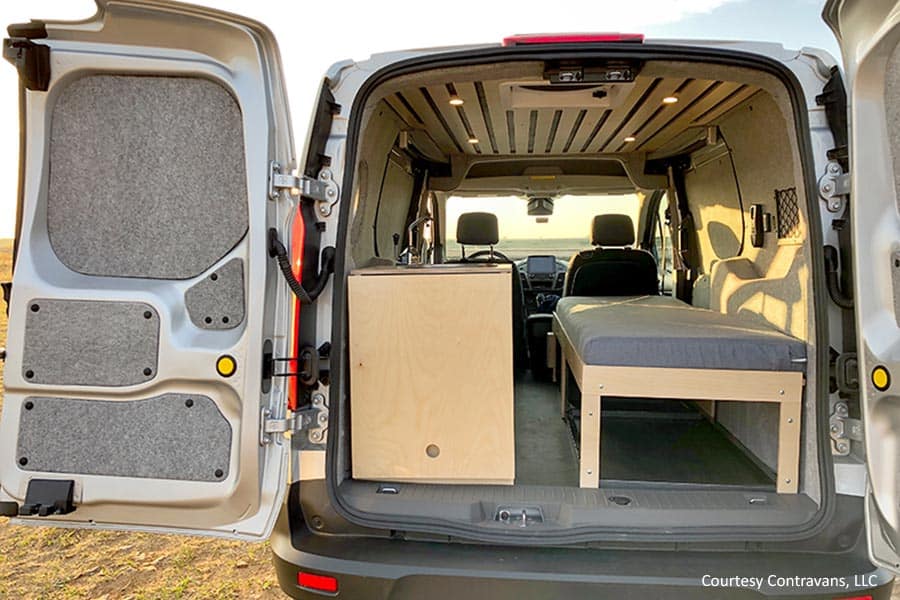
x=412 y=248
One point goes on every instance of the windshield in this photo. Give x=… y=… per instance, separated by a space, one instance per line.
x=562 y=234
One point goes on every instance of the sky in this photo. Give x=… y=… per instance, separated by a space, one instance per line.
x=311 y=42
x=571 y=216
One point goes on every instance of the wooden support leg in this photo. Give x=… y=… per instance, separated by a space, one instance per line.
x=788 y=447
x=551 y=353
x=563 y=382
x=590 y=440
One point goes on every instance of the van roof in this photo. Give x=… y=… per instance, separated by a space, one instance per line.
x=773 y=50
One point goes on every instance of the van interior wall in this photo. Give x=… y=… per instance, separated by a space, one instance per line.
x=383 y=192
x=756 y=163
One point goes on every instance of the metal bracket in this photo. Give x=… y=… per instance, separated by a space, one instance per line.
x=323 y=191
x=325 y=206
x=273 y=430
x=834 y=186
x=519 y=516
x=311 y=420
x=317 y=432
x=843 y=429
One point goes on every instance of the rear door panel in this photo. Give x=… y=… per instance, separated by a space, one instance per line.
x=142 y=290
x=869 y=34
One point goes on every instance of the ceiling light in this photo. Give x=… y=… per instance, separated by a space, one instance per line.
x=630 y=138
x=473 y=140
x=670 y=99
x=456 y=101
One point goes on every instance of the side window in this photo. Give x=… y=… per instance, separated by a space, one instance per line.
x=662 y=246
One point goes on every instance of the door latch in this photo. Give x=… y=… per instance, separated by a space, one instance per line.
x=519 y=516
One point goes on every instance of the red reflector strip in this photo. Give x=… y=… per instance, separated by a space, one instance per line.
x=317 y=583
x=571 y=38
x=857 y=598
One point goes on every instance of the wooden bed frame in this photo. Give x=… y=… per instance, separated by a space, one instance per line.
x=595 y=381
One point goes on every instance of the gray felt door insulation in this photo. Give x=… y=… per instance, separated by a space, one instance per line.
x=147 y=176
x=217 y=302
x=172 y=436
x=86 y=342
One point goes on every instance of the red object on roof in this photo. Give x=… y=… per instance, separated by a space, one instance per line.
x=571 y=38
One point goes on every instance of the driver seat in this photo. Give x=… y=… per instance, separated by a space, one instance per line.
x=480 y=229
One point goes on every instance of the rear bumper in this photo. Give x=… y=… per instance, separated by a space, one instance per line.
x=368 y=568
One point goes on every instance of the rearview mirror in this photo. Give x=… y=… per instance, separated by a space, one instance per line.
x=540 y=207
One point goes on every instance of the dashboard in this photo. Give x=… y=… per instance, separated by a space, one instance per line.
x=542 y=276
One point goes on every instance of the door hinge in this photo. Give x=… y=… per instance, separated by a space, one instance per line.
x=315 y=422
x=324 y=191
x=311 y=421
x=843 y=429
x=834 y=186
x=272 y=429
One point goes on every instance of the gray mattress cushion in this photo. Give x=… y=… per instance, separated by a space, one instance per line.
x=660 y=331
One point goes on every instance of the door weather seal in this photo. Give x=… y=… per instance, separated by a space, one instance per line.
x=31 y=60
x=832 y=280
x=280 y=254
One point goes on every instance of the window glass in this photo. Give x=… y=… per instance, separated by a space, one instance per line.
x=562 y=234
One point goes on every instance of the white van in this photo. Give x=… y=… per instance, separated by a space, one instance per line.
x=567 y=316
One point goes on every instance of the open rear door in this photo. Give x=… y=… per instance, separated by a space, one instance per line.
x=869 y=35
x=143 y=298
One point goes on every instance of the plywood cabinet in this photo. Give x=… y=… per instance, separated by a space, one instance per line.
x=431 y=374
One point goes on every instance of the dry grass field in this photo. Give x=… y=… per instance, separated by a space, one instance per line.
x=39 y=562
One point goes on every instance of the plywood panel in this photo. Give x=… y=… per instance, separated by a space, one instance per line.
x=431 y=375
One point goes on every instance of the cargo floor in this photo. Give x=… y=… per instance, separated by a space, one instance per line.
x=642 y=441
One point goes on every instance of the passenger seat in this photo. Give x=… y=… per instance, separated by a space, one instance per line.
x=614 y=267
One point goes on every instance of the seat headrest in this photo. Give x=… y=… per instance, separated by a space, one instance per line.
x=477 y=229
x=612 y=230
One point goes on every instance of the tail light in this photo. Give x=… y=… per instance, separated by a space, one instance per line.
x=298 y=236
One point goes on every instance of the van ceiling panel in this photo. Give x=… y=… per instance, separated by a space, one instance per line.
x=489 y=115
